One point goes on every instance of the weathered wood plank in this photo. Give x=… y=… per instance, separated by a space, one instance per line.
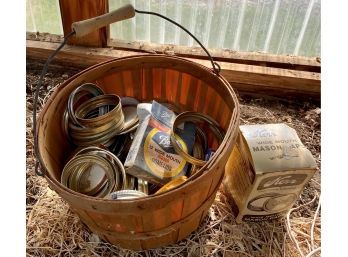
x=245 y=78
x=252 y=58
x=77 y=10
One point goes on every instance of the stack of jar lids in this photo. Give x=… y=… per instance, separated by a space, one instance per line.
x=93 y=117
x=103 y=127
x=95 y=172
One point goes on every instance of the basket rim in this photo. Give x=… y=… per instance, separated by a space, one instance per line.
x=213 y=162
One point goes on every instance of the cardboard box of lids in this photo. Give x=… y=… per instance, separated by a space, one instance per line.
x=267 y=171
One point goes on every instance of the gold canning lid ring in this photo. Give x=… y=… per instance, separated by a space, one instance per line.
x=143 y=186
x=90 y=131
x=112 y=166
x=78 y=93
x=98 y=102
x=86 y=141
x=202 y=138
x=172 y=184
x=131 y=129
x=72 y=169
x=194 y=117
x=98 y=129
x=130 y=182
x=65 y=125
x=100 y=137
x=198 y=153
x=88 y=182
x=119 y=170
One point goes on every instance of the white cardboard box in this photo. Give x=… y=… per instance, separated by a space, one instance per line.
x=267 y=171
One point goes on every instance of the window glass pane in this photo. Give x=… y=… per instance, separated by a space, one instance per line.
x=43 y=16
x=272 y=26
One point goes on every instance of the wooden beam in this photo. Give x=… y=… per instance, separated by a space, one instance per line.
x=77 y=10
x=249 y=79
x=253 y=58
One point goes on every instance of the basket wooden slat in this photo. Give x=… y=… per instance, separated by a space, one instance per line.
x=157 y=220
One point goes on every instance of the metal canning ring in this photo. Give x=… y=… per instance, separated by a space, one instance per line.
x=194 y=117
x=78 y=93
x=143 y=186
x=131 y=129
x=76 y=168
x=96 y=102
x=110 y=157
x=109 y=142
x=84 y=186
x=72 y=169
x=90 y=132
x=98 y=129
x=201 y=136
x=99 y=138
x=65 y=124
x=198 y=153
x=126 y=194
x=130 y=182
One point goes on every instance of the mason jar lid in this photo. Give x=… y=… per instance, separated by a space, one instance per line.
x=126 y=194
x=92 y=180
x=94 y=171
x=81 y=164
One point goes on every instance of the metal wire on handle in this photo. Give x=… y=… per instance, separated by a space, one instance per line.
x=44 y=70
x=82 y=28
x=216 y=66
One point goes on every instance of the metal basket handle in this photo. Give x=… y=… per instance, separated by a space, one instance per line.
x=82 y=28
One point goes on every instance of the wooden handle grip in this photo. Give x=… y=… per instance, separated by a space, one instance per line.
x=82 y=28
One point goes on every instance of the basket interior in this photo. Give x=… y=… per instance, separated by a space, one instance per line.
x=188 y=86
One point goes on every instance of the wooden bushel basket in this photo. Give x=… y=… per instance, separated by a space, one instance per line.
x=161 y=219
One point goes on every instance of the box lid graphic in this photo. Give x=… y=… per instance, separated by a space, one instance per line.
x=276 y=147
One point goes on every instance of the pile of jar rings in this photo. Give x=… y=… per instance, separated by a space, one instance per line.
x=102 y=127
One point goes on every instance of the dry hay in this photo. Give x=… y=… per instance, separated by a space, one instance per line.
x=54 y=230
